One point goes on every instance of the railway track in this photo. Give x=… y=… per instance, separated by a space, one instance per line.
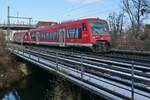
x=115 y=72
x=99 y=62
x=117 y=58
x=114 y=53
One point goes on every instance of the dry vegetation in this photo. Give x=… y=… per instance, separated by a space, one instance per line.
x=127 y=25
x=8 y=71
x=128 y=43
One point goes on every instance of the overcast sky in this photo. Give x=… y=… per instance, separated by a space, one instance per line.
x=59 y=10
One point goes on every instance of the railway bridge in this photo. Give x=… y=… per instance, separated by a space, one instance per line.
x=17 y=26
x=106 y=75
x=11 y=28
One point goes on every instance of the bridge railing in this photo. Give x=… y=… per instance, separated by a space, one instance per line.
x=90 y=73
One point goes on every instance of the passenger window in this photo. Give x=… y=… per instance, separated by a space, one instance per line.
x=49 y=37
x=74 y=33
x=54 y=35
x=79 y=33
x=71 y=33
x=41 y=36
x=33 y=36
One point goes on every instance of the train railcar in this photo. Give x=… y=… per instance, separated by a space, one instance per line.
x=91 y=32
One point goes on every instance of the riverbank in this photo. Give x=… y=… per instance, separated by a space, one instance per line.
x=10 y=68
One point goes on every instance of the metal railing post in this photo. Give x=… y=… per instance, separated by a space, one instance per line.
x=22 y=46
x=132 y=80
x=57 y=60
x=29 y=52
x=38 y=58
x=82 y=69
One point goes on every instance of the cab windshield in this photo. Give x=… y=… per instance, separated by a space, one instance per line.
x=99 y=28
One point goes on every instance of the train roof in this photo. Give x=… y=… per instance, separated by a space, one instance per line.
x=62 y=24
x=79 y=20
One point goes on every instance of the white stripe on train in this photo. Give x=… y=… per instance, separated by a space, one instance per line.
x=59 y=44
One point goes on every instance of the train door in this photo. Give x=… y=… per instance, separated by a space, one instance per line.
x=62 y=37
x=37 y=37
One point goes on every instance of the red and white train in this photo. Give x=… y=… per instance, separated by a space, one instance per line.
x=91 y=32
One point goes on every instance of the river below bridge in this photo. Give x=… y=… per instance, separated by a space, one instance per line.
x=41 y=85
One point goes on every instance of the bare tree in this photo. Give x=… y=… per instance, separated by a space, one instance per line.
x=136 y=10
x=116 y=22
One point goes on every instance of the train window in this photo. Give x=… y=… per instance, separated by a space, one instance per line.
x=74 y=33
x=55 y=35
x=71 y=33
x=84 y=28
x=39 y=36
x=50 y=36
x=78 y=33
x=47 y=36
x=44 y=36
x=33 y=36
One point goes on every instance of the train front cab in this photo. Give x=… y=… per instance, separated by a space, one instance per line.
x=100 y=36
